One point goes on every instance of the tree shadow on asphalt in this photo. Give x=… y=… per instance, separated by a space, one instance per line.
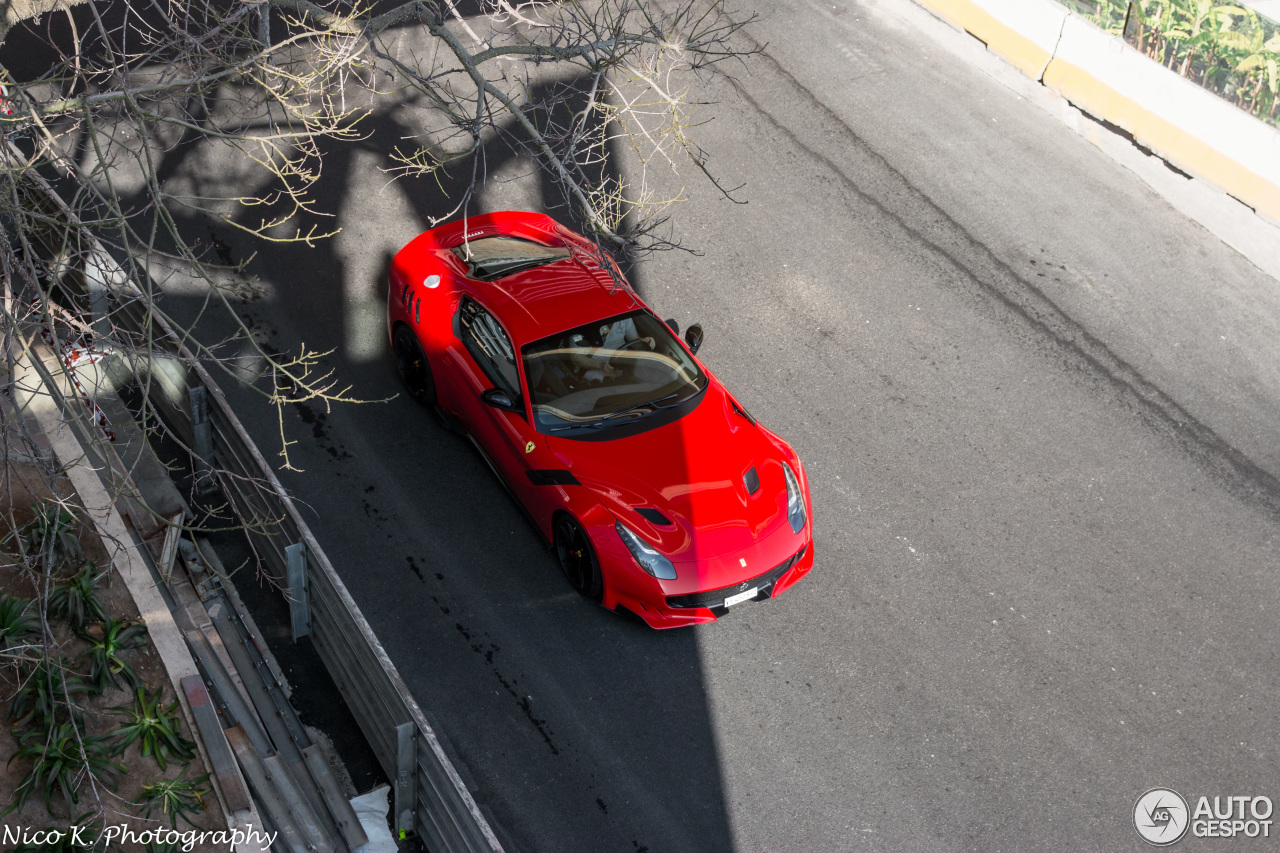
x=572 y=726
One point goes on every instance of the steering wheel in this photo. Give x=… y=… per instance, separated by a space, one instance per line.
x=650 y=341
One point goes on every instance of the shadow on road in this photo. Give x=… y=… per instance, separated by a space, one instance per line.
x=573 y=727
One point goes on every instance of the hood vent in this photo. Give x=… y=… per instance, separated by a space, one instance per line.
x=737 y=407
x=654 y=517
x=751 y=480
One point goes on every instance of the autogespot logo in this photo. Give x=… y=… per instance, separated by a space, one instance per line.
x=1161 y=816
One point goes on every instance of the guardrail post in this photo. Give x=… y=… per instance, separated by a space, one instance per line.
x=406 y=777
x=98 y=310
x=98 y=279
x=198 y=398
x=299 y=595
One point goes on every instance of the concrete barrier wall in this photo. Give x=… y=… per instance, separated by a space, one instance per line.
x=1025 y=32
x=1190 y=127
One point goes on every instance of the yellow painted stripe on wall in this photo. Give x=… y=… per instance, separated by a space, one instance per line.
x=1024 y=54
x=1166 y=139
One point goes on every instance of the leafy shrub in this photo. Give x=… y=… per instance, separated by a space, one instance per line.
x=49 y=540
x=46 y=695
x=156 y=726
x=175 y=798
x=106 y=644
x=76 y=599
x=61 y=758
x=1227 y=48
x=15 y=622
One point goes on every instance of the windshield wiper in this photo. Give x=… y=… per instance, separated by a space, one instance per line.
x=651 y=403
x=599 y=422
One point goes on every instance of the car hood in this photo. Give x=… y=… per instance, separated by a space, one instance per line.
x=692 y=471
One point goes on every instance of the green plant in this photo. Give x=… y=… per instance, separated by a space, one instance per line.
x=61 y=757
x=15 y=622
x=46 y=695
x=49 y=538
x=156 y=726
x=106 y=644
x=76 y=599
x=1261 y=55
x=175 y=798
x=1227 y=48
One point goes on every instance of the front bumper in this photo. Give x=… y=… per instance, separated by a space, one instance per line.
x=714 y=599
x=675 y=611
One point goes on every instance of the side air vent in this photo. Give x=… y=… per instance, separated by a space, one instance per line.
x=737 y=407
x=552 y=477
x=655 y=517
x=751 y=480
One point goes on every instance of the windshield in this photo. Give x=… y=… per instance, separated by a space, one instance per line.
x=490 y=258
x=608 y=373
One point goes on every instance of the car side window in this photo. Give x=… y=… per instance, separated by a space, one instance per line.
x=490 y=347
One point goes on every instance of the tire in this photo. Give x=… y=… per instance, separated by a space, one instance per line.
x=578 y=558
x=411 y=364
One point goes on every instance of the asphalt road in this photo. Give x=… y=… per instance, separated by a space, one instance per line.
x=1039 y=410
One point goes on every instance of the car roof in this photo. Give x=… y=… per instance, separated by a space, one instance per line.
x=541 y=301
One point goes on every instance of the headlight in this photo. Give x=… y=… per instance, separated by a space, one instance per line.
x=648 y=558
x=795 y=500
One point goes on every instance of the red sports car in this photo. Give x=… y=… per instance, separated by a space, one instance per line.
x=659 y=492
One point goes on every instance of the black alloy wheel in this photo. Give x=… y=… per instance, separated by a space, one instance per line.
x=578 y=558
x=411 y=364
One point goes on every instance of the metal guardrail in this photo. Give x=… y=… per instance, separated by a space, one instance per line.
x=430 y=797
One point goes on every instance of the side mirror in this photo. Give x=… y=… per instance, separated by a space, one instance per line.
x=673 y=326
x=693 y=337
x=499 y=399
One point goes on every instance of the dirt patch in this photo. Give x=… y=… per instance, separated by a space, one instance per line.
x=24 y=483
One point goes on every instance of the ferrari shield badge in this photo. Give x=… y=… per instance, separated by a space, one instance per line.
x=528 y=448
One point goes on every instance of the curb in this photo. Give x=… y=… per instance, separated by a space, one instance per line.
x=1191 y=128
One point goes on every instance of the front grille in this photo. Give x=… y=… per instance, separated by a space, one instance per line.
x=716 y=597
